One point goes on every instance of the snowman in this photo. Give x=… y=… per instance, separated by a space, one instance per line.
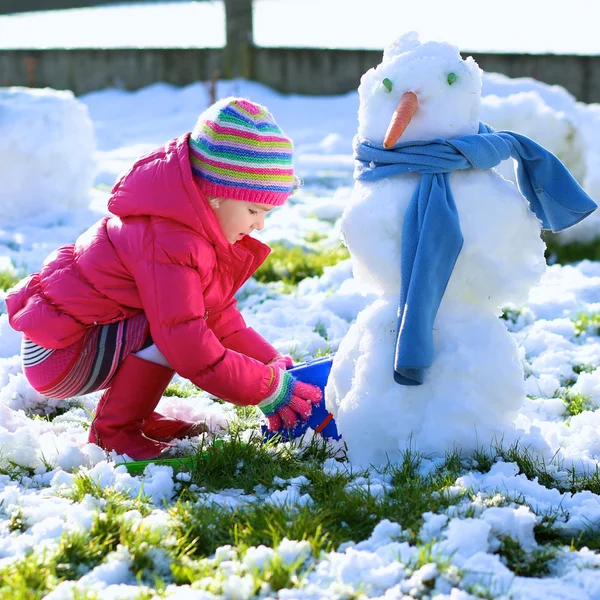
x=471 y=392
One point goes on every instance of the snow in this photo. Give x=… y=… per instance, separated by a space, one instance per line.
x=46 y=139
x=527 y=113
x=542 y=342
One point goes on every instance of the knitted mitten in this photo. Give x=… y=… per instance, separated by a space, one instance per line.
x=282 y=361
x=288 y=399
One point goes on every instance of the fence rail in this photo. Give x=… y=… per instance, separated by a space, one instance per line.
x=288 y=70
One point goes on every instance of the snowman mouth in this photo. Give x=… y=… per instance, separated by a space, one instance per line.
x=407 y=107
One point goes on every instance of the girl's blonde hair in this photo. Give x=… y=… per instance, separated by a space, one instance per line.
x=214 y=202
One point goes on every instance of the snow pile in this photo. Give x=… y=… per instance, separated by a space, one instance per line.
x=554 y=96
x=527 y=113
x=589 y=229
x=46 y=153
x=551 y=116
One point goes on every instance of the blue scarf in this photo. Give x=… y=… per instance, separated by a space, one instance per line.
x=431 y=235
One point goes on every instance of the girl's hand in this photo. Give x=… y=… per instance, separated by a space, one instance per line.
x=288 y=400
x=282 y=361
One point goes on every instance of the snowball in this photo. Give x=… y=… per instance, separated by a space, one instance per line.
x=46 y=153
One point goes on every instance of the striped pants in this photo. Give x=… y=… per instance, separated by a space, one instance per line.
x=87 y=365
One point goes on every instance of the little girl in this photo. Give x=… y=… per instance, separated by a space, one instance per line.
x=149 y=291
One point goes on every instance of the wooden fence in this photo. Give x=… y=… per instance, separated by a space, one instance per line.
x=288 y=70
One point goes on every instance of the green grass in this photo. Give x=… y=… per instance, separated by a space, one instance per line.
x=292 y=265
x=245 y=464
x=584 y=368
x=80 y=551
x=339 y=513
x=14 y=471
x=572 y=252
x=321 y=330
x=321 y=352
x=182 y=390
x=17 y=521
x=84 y=485
x=530 y=464
x=526 y=564
x=8 y=279
x=547 y=534
x=511 y=314
x=340 y=510
x=314 y=237
x=586 y=323
x=575 y=402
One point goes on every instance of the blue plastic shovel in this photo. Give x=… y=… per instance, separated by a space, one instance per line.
x=321 y=420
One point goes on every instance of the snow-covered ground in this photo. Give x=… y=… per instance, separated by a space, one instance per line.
x=555 y=352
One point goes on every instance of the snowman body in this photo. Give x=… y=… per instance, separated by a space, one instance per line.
x=474 y=388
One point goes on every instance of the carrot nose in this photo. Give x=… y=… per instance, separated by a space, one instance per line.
x=404 y=112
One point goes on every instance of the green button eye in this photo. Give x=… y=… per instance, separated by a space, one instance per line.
x=451 y=78
x=387 y=84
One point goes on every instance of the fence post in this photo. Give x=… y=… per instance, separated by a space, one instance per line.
x=237 y=54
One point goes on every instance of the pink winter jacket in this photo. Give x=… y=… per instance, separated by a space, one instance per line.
x=163 y=254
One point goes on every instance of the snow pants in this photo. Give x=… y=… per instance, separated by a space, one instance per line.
x=87 y=365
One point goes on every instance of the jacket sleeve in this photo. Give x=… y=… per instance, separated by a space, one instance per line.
x=231 y=330
x=171 y=291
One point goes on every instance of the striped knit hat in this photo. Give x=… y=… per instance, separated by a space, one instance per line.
x=237 y=151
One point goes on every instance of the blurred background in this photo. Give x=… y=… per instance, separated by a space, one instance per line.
x=315 y=47
x=88 y=86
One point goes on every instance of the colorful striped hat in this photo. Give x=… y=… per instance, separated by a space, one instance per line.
x=237 y=151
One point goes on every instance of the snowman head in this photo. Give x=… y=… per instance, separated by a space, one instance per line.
x=419 y=92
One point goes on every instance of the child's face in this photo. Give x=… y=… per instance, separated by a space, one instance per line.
x=238 y=218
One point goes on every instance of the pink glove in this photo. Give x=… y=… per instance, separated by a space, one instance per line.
x=287 y=400
x=282 y=361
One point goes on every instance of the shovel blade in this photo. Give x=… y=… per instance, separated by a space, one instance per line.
x=315 y=372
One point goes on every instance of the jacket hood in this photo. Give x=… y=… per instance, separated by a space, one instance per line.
x=161 y=184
